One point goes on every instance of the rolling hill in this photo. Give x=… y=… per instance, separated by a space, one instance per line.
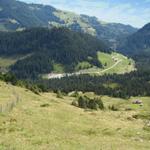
x=47 y=122
x=15 y=15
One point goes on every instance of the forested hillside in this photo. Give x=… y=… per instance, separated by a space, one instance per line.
x=124 y=86
x=138 y=43
x=15 y=15
x=138 y=47
x=49 y=49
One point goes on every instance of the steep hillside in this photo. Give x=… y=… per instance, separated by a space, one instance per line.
x=15 y=15
x=47 y=122
x=138 y=43
x=47 y=50
x=138 y=47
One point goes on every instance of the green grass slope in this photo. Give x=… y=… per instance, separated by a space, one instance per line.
x=111 y=63
x=59 y=125
x=123 y=64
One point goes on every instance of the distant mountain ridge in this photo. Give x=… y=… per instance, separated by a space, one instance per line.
x=16 y=15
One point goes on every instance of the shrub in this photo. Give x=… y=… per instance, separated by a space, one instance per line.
x=85 y=102
x=96 y=104
x=92 y=104
x=59 y=94
x=100 y=103
x=35 y=90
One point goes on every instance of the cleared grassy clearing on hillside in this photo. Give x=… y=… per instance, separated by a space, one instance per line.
x=6 y=62
x=112 y=63
x=125 y=64
x=47 y=122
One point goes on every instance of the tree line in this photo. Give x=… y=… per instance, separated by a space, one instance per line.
x=133 y=84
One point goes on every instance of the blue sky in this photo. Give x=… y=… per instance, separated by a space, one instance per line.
x=133 y=12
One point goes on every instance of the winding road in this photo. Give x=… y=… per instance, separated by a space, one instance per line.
x=59 y=76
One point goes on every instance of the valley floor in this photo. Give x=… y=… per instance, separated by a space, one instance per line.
x=45 y=122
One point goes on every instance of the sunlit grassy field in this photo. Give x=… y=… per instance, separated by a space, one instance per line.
x=45 y=122
x=125 y=65
x=112 y=63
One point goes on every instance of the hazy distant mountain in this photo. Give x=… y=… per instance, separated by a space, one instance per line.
x=15 y=15
x=138 y=43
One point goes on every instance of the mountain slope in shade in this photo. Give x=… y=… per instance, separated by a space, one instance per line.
x=138 y=43
x=15 y=15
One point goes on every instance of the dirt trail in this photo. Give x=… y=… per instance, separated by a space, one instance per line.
x=55 y=76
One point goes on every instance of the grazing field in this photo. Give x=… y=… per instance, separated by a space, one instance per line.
x=116 y=63
x=47 y=122
x=8 y=101
x=111 y=63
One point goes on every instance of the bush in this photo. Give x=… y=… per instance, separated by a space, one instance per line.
x=99 y=102
x=96 y=104
x=87 y=103
x=92 y=104
x=59 y=94
x=83 y=102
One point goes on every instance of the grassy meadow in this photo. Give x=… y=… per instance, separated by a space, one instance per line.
x=111 y=63
x=45 y=122
x=125 y=64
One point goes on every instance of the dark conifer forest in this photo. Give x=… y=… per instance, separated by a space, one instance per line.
x=132 y=84
x=46 y=47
